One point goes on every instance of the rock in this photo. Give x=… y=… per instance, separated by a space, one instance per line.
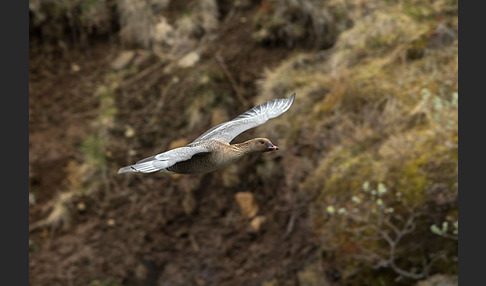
x=188 y=60
x=75 y=67
x=208 y=16
x=123 y=60
x=129 y=132
x=163 y=34
x=257 y=222
x=81 y=206
x=246 y=202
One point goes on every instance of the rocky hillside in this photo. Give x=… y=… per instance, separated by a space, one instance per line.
x=363 y=190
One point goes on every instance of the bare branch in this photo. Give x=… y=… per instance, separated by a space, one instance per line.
x=392 y=226
x=405 y=273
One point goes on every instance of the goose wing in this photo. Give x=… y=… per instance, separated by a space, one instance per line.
x=164 y=160
x=227 y=131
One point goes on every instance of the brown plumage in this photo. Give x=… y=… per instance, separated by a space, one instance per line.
x=212 y=150
x=221 y=156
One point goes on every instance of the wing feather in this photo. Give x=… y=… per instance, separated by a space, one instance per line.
x=164 y=160
x=227 y=131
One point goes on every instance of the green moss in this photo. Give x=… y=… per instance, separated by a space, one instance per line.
x=93 y=150
x=109 y=112
x=412 y=179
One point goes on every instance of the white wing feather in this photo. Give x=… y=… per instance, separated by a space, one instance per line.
x=164 y=160
x=227 y=131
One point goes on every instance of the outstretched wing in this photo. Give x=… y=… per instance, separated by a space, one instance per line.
x=227 y=131
x=164 y=160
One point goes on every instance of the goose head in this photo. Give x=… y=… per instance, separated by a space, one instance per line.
x=260 y=145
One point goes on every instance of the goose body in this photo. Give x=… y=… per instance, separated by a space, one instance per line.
x=212 y=150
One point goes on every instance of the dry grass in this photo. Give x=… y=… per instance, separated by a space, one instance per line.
x=380 y=106
x=60 y=214
x=295 y=23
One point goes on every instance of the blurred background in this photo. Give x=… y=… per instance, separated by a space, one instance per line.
x=363 y=190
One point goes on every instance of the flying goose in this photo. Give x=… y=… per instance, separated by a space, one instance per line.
x=212 y=150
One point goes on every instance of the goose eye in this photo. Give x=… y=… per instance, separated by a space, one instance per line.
x=261 y=142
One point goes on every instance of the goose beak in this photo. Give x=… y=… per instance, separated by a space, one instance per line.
x=272 y=147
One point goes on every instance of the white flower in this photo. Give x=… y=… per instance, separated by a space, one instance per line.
x=435 y=229
x=445 y=226
x=366 y=186
x=381 y=189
